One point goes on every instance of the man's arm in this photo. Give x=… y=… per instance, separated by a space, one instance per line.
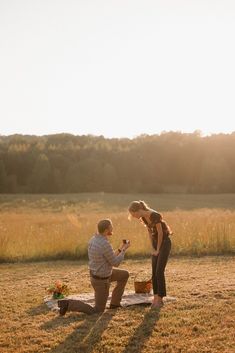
x=110 y=256
x=121 y=247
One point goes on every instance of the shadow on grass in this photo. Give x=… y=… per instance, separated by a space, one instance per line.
x=38 y=310
x=86 y=335
x=143 y=332
x=61 y=322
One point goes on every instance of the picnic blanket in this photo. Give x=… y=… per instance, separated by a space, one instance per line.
x=128 y=298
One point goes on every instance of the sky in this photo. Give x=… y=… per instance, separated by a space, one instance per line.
x=117 y=68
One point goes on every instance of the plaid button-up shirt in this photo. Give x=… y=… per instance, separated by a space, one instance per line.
x=102 y=257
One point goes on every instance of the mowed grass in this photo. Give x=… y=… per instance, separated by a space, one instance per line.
x=39 y=227
x=115 y=202
x=200 y=320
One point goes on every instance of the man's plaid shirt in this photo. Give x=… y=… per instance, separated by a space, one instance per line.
x=102 y=257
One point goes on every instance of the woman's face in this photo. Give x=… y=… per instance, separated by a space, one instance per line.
x=135 y=214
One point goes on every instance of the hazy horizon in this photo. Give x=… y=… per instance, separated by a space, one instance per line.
x=119 y=137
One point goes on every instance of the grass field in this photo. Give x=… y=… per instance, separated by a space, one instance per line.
x=39 y=227
x=55 y=227
x=115 y=202
x=201 y=320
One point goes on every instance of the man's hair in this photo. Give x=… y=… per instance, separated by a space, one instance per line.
x=103 y=225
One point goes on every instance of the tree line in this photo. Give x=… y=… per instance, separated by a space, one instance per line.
x=168 y=162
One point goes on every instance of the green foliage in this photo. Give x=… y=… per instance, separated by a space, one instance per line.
x=170 y=162
x=39 y=179
x=3 y=177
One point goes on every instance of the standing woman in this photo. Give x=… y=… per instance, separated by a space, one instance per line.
x=159 y=233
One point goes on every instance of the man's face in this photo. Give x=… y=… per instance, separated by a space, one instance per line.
x=109 y=230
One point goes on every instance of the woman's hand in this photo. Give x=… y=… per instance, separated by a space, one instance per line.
x=155 y=252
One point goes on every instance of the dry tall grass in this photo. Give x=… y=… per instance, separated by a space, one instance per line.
x=31 y=235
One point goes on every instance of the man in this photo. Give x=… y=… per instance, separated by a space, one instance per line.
x=102 y=259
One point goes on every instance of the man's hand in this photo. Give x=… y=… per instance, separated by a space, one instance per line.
x=122 y=247
x=125 y=246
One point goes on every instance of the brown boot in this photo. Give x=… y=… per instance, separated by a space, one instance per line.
x=63 y=305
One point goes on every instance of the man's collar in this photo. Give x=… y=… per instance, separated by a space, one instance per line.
x=102 y=235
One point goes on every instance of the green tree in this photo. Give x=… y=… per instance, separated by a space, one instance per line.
x=39 y=179
x=3 y=178
x=12 y=185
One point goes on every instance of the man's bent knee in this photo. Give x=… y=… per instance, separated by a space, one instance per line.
x=125 y=275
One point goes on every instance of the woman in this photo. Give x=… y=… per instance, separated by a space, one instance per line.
x=159 y=233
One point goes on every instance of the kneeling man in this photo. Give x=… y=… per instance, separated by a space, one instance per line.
x=102 y=259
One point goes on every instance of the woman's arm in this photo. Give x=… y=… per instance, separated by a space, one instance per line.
x=160 y=236
x=151 y=240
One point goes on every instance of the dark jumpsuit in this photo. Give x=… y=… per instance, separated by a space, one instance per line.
x=159 y=262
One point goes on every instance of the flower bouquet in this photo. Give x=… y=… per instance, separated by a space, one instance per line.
x=58 y=290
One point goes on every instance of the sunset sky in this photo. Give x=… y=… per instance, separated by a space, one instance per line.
x=117 y=68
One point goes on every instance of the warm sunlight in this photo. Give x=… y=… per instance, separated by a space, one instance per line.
x=117 y=176
x=117 y=68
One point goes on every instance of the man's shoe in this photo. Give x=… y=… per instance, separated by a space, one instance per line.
x=63 y=305
x=113 y=306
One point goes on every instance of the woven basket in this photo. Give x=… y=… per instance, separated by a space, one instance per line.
x=143 y=286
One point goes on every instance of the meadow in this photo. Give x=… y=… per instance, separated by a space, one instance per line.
x=35 y=228
x=201 y=320
x=44 y=227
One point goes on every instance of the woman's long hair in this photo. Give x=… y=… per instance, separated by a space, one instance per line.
x=138 y=205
